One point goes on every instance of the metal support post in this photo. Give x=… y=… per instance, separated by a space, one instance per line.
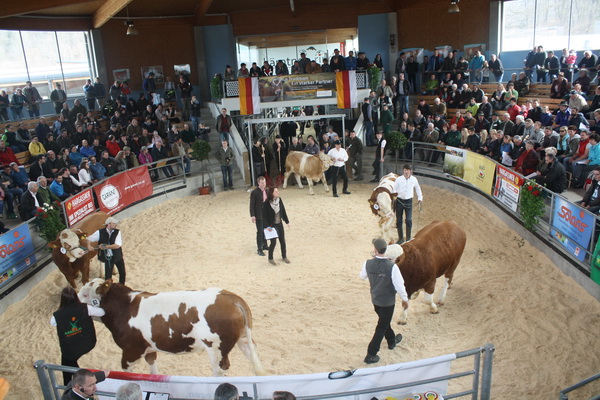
x=486 y=378
x=40 y=368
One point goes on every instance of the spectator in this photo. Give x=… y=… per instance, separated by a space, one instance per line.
x=97 y=170
x=496 y=67
x=185 y=92
x=30 y=202
x=281 y=395
x=32 y=99
x=44 y=192
x=16 y=105
x=580 y=155
x=583 y=80
x=267 y=69
x=432 y=85
x=588 y=64
x=109 y=163
x=522 y=85
x=58 y=189
x=337 y=62
x=85 y=174
x=528 y=160
x=243 y=71
x=159 y=152
x=591 y=198
x=226 y=391
x=224 y=124
x=90 y=94
x=585 y=165
x=473 y=142
x=181 y=149
x=35 y=147
x=578 y=119
x=281 y=68
x=112 y=146
x=476 y=65
x=403 y=90
x=195 y=108
x=129 y=391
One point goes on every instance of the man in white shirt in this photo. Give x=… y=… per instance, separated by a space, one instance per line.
x=339 y=157
x=404 y=188
x=385 y=280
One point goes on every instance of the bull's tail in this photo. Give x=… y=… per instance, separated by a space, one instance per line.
x=245 y=343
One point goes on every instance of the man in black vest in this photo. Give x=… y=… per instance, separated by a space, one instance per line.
x=385 y=280
x=110 y=252
x=257 y=197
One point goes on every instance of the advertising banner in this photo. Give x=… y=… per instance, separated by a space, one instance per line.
x=507 y=187
x=79 y=206
x=572 y=227
x=119 y=191
x=370 y=380
x=16 y=253
x=479 y=171
x=454 y=161
x=297 y=87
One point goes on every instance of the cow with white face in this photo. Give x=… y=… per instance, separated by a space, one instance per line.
x=382 y=204
x=312 y=167
x=144 y=323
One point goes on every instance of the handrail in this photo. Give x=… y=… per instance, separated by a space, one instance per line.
x=563 y=393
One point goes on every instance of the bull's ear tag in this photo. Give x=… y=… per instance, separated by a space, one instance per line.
x=96 y=302
x=62 y=250
x=376 y=206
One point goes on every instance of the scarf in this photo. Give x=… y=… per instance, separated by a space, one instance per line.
x=275 y=205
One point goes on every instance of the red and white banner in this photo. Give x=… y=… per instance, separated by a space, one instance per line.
x=79 y=206
x=249 y=96
x=371 y=381
x=119 y=191
x=345 y=84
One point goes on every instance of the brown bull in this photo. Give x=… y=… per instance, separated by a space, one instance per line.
x=69 y=251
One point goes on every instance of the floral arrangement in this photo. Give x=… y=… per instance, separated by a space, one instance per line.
x=531 y=204
x=49 y=221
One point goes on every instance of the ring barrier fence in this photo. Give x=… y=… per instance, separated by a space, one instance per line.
x=24 y=252
x=565 y=225
x=472 y=368
x=563 y=393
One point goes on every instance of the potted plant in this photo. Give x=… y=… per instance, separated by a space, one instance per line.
x=396 y=141
x=49 y=221
x=216 y=87
x=531 y=204
x=200 y=151
x=374 y=77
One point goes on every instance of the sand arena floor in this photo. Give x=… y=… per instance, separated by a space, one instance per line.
x=315 y=315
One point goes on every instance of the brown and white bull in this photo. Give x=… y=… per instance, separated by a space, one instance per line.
x=435 y=251
x=382 y=204
x=69 y=251
x=312 y=167
x=144 y=323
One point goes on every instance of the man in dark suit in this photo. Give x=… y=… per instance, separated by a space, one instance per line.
x=257 y=197
x=83 y=385
x=30 y=201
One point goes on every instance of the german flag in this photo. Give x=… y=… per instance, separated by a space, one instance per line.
x=249 y=96
x=345 y=84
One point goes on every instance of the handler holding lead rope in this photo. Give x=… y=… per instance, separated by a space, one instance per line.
x=404 y=187
x=110 y=252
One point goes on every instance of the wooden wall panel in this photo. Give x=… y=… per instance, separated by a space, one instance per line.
x=160 y=42
x=429 y=25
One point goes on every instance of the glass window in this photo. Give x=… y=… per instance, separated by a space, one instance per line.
x=585 y=25
x=552 y=25
x=13 y=72
x=517 y=25
x=43 y=61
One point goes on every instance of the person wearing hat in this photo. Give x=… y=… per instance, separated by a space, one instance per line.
x=109 y=244
x=339 y=156
x=385 y=280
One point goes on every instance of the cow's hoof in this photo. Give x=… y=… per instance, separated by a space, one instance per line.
x=401 y=322
x=434 y=311
x=440 y=303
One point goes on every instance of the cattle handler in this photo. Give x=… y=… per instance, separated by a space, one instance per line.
x=109 y=248
x=385 y=280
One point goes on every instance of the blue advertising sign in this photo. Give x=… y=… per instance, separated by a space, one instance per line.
x=16 y=253
x=573 y=227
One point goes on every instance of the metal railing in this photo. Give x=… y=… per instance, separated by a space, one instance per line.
x=480 y=375
x=422 y=154
x=563 y=393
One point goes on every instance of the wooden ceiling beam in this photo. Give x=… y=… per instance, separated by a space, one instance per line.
x=108 y=10
x=13 y=8
x=202 y=9
x=390 y=3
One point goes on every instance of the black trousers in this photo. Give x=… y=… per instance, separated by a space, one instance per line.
x=281 y=237
x=383 y=329
x=108 y=268
x=260 y=235
x=342 y=171
x=67 y=376
x=404 y=206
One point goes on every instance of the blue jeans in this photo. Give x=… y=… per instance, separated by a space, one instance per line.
x=226 y=170
x=34 y=111
x=195 y=123
x=187 y=163
x=369 y=134
x=403 y=100
x=224 y=136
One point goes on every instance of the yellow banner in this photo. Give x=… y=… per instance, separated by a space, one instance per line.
x=479 y=171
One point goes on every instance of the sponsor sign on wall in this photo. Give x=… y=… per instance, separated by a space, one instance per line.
x=572 y=227
x=119 y=191
x=296 y=87
x=79 y=206
x=16 y=253
x=479 y=171
x=507 y=187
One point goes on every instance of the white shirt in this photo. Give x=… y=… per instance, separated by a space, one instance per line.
x=84 y=176
x=37 y=203
x=92 y=312
x=382 y=153
x=397 y=279
x=335 y=154
x=94 y=237
x=404 y=188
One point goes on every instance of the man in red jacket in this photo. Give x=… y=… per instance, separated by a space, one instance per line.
x=7 y=156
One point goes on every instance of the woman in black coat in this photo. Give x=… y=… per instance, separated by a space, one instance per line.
x=273 y=217
x=75 y=328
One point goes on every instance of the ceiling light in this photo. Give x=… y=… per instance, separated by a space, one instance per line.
x=454 y=7
x=131 y=30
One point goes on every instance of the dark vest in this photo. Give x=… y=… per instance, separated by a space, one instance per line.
x=379 y=271
x=75 y=329
x=117 y=254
